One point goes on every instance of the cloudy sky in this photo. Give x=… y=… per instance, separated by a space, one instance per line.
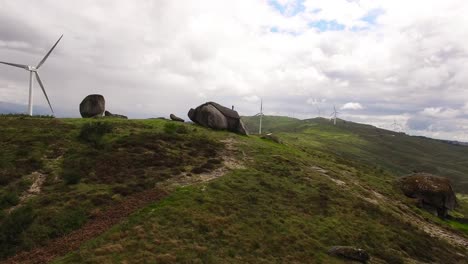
x=378 y=61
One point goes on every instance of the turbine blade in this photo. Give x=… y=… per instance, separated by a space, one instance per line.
x=26 y=67
x=48 y=53
x=43 y=90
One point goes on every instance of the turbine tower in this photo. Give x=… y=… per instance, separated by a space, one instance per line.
x=261 y=116
x=34 y=71
x=334 y=115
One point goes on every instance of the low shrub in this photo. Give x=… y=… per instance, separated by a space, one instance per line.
x=181 y=129
x=9 y=199
x=71 y=177
x=67 y=220
x=94 y=132
x=173 y=128
x=170 y=128
x=77 y=165
x=12 y=228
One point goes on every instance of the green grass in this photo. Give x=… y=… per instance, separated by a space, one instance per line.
x=88 y=165
x=278 y=208
x=397 y=153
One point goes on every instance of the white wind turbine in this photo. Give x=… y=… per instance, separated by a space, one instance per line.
x=334 y=115
x=34 y=71
x=261 y=116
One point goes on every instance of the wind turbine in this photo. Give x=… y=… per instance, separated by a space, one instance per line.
x=317 y=105
x=334 y=115
x=34 y=71
x=261 y=116
x=396 y=126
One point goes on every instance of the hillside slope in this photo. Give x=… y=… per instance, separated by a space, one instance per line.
x=176 y=193
x=398 y=153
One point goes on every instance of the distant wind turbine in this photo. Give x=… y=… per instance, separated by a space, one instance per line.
x=334 y=115
x=396 y=126
x=261 y=116
x=34 y=71
x=317 y=105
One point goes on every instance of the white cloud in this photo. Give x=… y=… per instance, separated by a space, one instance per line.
x=352 y=106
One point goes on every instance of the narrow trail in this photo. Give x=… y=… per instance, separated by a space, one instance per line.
x=94 y=227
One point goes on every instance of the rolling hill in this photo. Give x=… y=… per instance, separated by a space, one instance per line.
x=136 y=191
x=395 y=152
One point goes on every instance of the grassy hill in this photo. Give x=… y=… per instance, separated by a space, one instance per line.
x=397 y=153
x=135 y=191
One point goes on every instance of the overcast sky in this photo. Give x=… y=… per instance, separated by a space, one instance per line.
x=376 y=60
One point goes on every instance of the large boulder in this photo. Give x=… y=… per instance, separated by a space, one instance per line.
x=93 y=106
x=216 y=116
x=349 y=253
x=433 y=192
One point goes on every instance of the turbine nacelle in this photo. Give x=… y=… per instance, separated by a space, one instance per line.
x=32 y=69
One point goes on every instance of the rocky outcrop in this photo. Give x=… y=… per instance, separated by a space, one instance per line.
x=216 y=116
x=176 y=118
x=350 y=253
x=92 y=106
x=109 y=114
x=433 y=193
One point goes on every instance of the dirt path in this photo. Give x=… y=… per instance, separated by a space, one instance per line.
x=35 y=189
x=96 y=226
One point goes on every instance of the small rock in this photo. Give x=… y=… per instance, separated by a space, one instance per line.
x=109 y=114
x=176 y=118
x=350 y=253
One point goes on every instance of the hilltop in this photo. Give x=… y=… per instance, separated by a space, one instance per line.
x=157 y=191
